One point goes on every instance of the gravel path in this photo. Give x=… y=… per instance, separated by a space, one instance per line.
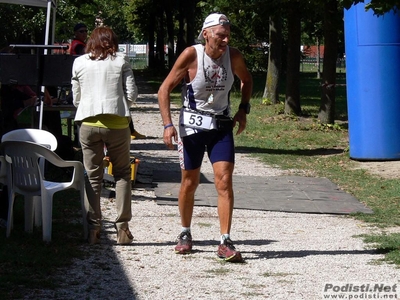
x=287 y=255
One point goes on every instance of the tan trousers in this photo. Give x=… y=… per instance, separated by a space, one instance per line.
x=93 y=139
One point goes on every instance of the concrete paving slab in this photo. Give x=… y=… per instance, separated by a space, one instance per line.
x=274 y=193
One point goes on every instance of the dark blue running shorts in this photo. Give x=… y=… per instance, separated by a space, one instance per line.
x=219 y=145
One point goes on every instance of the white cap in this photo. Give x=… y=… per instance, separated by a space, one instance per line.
x=212 y=20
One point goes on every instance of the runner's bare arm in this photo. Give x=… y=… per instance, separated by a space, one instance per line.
x=181 y=68
x=246 y=86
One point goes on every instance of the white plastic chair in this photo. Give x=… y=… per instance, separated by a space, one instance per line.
x=27 y=179
x=41 y=137
x=38 y=136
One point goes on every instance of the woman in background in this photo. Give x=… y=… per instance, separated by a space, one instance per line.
x=103 y=88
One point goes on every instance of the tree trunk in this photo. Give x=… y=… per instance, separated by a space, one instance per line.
x=318 y=59
x=271 y=92
x=170 y=30
x=327 y=109
x=151 y=31
x=292 y=101
x=180 y=39
x=190 y=17
x=160 y=51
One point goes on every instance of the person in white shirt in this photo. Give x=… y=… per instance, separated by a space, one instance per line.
x=104 y=88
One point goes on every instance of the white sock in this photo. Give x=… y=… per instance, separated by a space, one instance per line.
x=224 y=237
x=186 y=229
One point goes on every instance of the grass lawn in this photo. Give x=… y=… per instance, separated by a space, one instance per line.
x=302 y=143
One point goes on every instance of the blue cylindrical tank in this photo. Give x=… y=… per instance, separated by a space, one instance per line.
x=373 y=83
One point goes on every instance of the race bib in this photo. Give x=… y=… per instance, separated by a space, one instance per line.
x=196 y=120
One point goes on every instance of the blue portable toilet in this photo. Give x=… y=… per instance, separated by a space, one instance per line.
x=372 y=46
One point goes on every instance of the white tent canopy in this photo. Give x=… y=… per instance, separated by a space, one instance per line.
x=41 y=3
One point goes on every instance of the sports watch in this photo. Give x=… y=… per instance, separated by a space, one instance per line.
x=245 y=107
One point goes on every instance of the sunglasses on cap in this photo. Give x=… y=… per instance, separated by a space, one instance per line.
x=224 y=23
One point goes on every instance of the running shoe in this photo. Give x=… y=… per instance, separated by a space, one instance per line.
x=184 y=243
x=227 y=252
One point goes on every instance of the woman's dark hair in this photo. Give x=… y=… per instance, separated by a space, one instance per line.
x=102 y=43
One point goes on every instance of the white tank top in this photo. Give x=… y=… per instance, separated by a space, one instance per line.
x=209 y=90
